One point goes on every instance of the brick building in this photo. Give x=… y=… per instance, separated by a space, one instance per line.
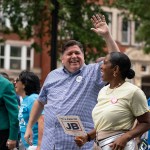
x=16 y=55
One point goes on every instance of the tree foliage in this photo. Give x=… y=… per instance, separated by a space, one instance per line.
x=18 y=12
x=27 y=18
x=74 y=22
x=141 y=11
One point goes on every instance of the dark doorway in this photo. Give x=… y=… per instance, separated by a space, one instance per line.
x=146 y=85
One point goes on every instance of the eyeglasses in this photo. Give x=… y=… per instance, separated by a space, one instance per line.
x=17 y=80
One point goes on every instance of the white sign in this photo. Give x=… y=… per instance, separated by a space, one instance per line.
x=72 y=125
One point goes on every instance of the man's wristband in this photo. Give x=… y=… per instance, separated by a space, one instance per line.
x=88 y=137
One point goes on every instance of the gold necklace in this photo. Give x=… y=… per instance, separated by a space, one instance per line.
x=108 y=89
x=112 y=90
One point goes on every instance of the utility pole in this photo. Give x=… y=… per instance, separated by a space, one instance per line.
x=54 y=35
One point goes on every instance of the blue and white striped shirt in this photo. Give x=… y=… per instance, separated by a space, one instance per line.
x=64 y=94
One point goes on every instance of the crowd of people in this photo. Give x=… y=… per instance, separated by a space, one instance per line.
x=98 y=93
x=24 y=91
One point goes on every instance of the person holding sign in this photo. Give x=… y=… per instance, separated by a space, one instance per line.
x=70 y=90
x=9 y=124
x=72 y=125
x=120 y=103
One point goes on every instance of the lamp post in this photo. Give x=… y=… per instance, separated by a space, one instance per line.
x=54 y=35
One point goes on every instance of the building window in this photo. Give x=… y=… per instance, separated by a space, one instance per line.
x=28 y=61
x=15 y=58
x=136 y=26
x=1 y=56
x=1 y=23
x=125 y=30
x=1 y=19
x=110 y=21
x=143 y=68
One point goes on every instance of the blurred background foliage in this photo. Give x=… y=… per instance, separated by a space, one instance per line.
x=140 y=9
x=73 y=21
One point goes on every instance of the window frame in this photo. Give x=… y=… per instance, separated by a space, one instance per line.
x=23 y=58
x=127 y=31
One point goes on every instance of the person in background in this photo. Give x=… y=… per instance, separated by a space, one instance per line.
x=70 y=90
x=9 y=124
x=5 y=75
x=120 y=104
x=28 y=86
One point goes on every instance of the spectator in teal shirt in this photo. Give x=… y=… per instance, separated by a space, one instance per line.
x=8 y=115
x=27 y=86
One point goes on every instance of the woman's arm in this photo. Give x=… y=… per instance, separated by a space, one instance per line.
x=142 y=126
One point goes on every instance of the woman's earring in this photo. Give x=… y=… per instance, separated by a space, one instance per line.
x=114 y=74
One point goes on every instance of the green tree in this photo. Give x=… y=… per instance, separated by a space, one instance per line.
x=27 y=18
x=74 y=22
x=141 y=11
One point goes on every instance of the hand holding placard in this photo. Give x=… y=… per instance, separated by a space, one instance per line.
x=72 y=125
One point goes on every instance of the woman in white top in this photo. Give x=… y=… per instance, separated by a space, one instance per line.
x=120 y=103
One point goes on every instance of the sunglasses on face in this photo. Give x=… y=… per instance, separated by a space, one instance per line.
x=15 y=81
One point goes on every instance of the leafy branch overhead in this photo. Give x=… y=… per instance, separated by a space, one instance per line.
x=140 y=9
x=74 y=23
x=28 y=18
